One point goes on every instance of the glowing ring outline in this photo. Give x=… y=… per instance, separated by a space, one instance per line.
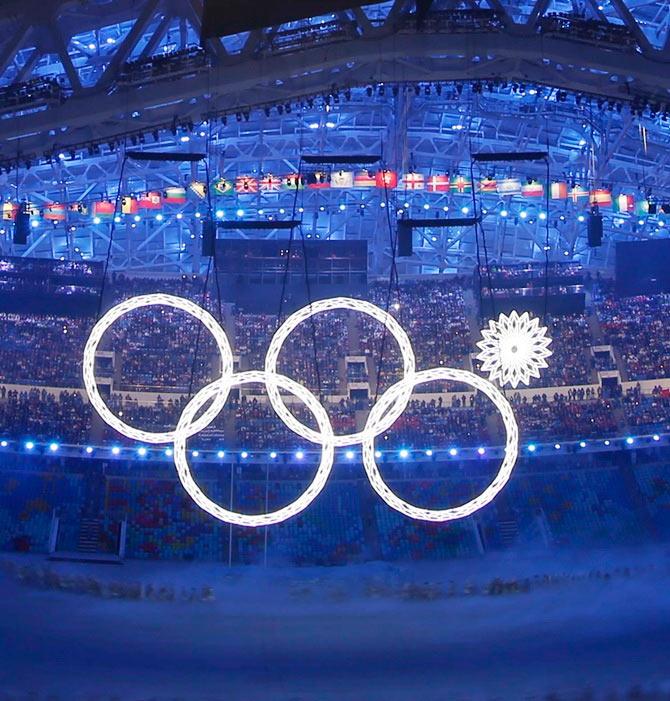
x=114 y=314
x=223 y=386
x=292 y=322
x=504 y=472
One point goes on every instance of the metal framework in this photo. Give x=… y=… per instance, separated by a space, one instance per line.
x=367 y=81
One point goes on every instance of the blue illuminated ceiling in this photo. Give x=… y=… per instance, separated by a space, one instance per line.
x=596 y=140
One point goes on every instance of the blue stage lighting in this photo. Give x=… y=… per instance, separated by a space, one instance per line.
x=53 y=447
x=532 y=448
x=656 y=437
x=4 y=444
x=378 y=454
x=169 y=452
x=141 y=451
x=244 y=455
x=195 y=453
x=273 y=455
x=89 y=450
x=221 y=454
x=582 y=444
x=116 y=450
x=29 y=445
x=350 y=454
x=429 y=453
x=630 y=440
x=453 y=452
x=299 y=455
x=404 y=453
x=481 y=451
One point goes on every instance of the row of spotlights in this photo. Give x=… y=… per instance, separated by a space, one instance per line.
x=403 y=453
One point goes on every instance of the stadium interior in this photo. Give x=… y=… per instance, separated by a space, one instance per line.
x=456 y=164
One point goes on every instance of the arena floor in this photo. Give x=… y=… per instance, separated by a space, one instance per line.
x=374 y=631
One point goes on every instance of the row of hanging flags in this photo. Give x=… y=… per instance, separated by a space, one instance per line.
x=340 y=180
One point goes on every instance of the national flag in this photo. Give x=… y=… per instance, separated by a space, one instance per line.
x=559 y=191
x=642 y=207
x=104 y=209
x=460 y=184
x=413 y=181
x=198 y=188
x=246 y=185
x=221 y=186
x=624 y=204
x=364 y=178
x=601 y=197
x=342 y=179
x=54 y=212
x=532 y=188
x=386 y=179
x=9 y=210
x=78 y=208
x=438 y=183
x=488 y=185
x=509 y=186
x=293 y=182
x=149 y=200
x=174 y=195
x=577 y=192
x=270 y=183
x=129 y=205
x=318 y=181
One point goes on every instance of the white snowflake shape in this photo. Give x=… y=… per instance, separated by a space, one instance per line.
x=514 y=349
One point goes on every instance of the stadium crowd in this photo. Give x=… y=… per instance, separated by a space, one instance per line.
x=165 y=352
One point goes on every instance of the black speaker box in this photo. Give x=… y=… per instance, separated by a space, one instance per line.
x=208 y=237
x=21 y=227
x=405 y=247
x=595 y=230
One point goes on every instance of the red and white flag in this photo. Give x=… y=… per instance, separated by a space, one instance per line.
x=413 y=181
x=438 y=183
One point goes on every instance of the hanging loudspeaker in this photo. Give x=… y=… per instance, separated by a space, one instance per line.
x=595 y=230
x=208 y=237
x=405 y=249
x=22 y=226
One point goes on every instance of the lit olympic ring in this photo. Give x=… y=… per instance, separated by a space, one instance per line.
x=504 y=473
x=382 y=416
x=384 y=421
x=116 y=313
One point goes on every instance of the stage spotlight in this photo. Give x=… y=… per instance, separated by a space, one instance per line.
x=404 y=453
x=453 y=452
x=29 y=445
x=53 y=447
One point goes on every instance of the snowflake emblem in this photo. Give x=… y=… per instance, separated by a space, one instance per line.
x=514 y=349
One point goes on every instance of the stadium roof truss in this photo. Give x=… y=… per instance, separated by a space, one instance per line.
x=365 y=80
